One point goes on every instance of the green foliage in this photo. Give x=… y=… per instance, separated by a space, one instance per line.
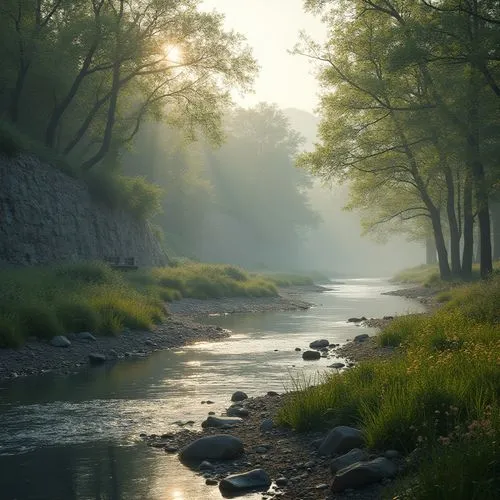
x=12 y=143
x=10 y=336
x=446 y=376
x=417 y=275
x=90 y=296
x=39 y=319
x=77 y=315
x=133 y=194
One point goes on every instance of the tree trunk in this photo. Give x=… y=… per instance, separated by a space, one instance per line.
x=495 y=219
x=453 y=223
x=468 y=229
x=430 y=251
x=444 y=267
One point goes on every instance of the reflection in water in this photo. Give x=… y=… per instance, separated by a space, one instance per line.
x=77 y=436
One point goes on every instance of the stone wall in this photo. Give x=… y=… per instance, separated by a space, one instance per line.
x=47 y=217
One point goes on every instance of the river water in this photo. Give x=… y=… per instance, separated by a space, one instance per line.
x=77 y=436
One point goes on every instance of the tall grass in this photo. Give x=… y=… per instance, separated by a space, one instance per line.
x=444 y=385
x=90 y=296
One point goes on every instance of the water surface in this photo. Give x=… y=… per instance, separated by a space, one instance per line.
x=76 y=436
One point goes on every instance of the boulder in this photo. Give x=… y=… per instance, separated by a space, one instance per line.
x=341 y=439
x=239 y=396
x=361 y=338
x=337 y=366
x=362 y=473
x=350 y=458
x=85 y=336
x=60 y=341
x=212 y=421
x=319 y=344
x=311 y=355
x=217 y=447
x=252 y=480
x=236 y=411
x=96 y=358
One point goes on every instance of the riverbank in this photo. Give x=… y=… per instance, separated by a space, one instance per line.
x=37 y=357
x=291 y=459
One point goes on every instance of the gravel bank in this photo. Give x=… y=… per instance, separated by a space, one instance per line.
x=281 y=452
x=39 y=357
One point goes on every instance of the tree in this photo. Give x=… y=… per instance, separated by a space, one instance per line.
x=390 y=57
x=114 y=66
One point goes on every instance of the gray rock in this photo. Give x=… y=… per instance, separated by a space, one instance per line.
x=341 y=439
x=212 y=421
x=362 y=473
x=272 y=393
x=206 y=465
x=361 y=338
x=85 y=336
x=281 y=481
x=254 y=479
x=298 y=349
x=311 y=355
x=319 y=344
x=112 y=354
x=211 y=482
x=337 y=366
x=266 y=425
x=60 y=341
x=236 y=411
x=356 y=320
x=218 y=447
x=171 y=449
x=351 y=457
x=261 y=449
x=96 y=358
x=239 y=396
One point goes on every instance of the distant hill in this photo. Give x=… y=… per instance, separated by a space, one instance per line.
x=305 y=123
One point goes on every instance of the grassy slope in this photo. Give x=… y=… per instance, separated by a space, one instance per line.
x=441 y=395
x=48 y=301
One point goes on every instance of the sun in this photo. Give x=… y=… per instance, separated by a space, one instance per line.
x=173 y=53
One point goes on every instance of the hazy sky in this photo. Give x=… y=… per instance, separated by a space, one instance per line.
x=272 y=27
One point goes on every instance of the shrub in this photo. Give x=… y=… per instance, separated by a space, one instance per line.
x=77 y=316
x=133 y=194
x=39 y=320
x=10 y=334
x=87 y=272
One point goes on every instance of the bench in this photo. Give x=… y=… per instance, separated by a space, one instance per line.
x=127 y=264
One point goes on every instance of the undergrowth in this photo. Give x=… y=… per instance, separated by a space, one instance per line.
x=440 y=395
x=90 y=296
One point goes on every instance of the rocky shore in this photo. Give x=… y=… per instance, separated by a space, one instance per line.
x=82 y=349
x=285 y=464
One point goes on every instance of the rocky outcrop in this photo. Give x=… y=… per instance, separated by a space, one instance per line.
x=254 y=479
x=47 y=216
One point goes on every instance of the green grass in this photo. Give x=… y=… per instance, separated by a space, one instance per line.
x=90 y=296
x=288 y=279
x=445 y=379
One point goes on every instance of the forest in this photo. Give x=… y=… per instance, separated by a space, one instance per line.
x=135 y=99
x=410 y=118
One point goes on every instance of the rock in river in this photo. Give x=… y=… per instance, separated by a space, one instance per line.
x=218 y=447
x=311 y=355
x=220 y=421
x=319 y=344
x=361 y=338
x=341 y=439
x=239 y=396
x=363 y=473
x=60 y=341
x=96 y=358
x=254 y=479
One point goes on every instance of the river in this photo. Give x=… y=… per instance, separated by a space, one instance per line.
x=77 y=436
